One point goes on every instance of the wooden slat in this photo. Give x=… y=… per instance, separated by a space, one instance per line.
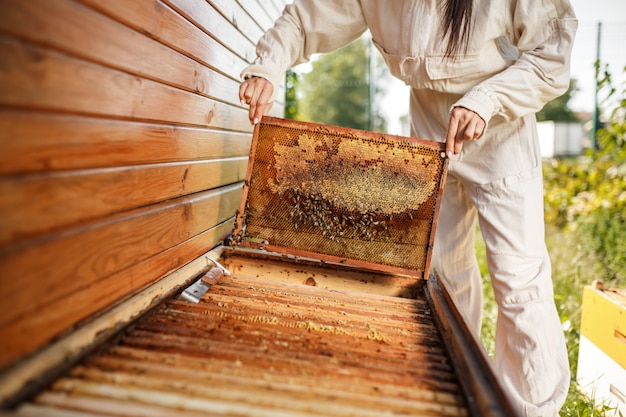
x=261 y=394
x=102 y=249
x=252 y=349
x=29 y=376
x=280 y=5
x=223 y=368
x=269 y=10
x=180 y=35
x=270 y=321
x=97 y=38
x=42 y=203
x=33 y=329
x=45 y=273
x=34 y=77
x=160 y=22
x=274 y=8
x=94 y=406
x=239 y=18
x=353 y=280
x=161 y=399
x=204 y=16
x=32 y=410
x=257 y=12
x=474 y=368
x=35 y=141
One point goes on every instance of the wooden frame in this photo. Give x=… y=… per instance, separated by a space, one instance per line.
x=240 y=224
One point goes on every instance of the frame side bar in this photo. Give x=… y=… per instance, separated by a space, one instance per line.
x=483 y=392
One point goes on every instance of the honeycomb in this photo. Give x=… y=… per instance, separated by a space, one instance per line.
x=344 y=193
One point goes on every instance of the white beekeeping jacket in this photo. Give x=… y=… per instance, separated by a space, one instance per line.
x=517 y=60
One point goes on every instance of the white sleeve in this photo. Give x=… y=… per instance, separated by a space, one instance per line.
x=306 y=27
x=543 y=32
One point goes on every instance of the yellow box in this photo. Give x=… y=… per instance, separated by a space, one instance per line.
x=602 y=352
x=603 y=321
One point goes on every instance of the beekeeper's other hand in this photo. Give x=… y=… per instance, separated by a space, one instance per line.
x=463 y=125
x=256 y=92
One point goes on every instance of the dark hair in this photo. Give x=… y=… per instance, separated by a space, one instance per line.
x=457 y=24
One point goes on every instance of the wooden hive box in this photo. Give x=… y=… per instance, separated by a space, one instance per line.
x=307 y=322
x=601 y=370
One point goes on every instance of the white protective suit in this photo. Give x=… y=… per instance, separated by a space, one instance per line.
x=517 y=60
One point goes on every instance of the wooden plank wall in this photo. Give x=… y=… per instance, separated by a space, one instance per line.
x=123 y=148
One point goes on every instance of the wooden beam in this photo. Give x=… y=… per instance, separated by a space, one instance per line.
x=37 y=141
x=91 y=36
x=34 y=373
x=204 y=16
x=35 y=204
x=51 y=274
x=168 y=27
x=483 y=392
x=37 y=78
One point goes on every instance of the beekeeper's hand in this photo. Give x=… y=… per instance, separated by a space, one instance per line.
x=256 y=92
x=463 y=125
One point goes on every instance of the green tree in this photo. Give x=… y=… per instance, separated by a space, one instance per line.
x=612 y=135
x=291 y=97
x=588 y=194
x=558 y=109
x=337 y=89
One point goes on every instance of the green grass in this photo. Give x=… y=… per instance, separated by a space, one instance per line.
x=573 y=267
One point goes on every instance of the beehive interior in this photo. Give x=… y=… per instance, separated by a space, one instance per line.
x=256 y=345
x=346 y=193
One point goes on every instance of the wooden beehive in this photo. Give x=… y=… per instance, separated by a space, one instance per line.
x=293 y=331
x=285 y=337
x=258 y=347
x=602 y=354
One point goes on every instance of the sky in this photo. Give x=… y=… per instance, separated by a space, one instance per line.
x=612 y=15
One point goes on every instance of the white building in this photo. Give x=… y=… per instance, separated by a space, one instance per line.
x=557 y=139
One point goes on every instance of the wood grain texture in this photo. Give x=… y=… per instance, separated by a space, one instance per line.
x=124 y=144
x=263 y=347
x=210 y=21
x=76 y=197
x=26 y=378
x=160 y=22
x=114 y=45
x=28 y=332
x=274 y=8
x=258 y=12
x=84 y=255
x=239 y=18
x=43 y=142
x=44 y=274
x=42 y=79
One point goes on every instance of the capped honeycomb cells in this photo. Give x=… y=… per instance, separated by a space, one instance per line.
x=346 y=193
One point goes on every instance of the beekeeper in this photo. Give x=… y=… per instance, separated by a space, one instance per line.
x=478 y=72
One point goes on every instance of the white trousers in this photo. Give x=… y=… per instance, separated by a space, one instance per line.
x=531 y=356
x=497 y=180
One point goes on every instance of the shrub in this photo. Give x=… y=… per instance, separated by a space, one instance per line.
x=588 y=193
